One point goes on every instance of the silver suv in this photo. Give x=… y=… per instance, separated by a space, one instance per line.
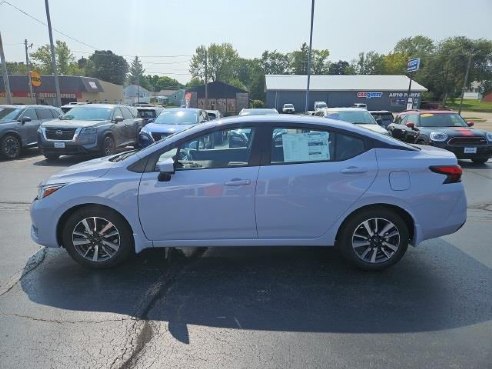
x=89 y=129
x=19 y=125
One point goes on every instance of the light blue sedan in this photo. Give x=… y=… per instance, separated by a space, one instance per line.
x=294 y=181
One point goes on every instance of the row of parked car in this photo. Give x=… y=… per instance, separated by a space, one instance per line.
x=104 y=128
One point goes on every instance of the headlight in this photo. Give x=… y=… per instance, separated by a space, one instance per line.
x=46 y=190
x=489 y=136
x=88 y=131
x=438 y=136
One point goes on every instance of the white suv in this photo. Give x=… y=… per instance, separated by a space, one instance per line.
x=288 y=108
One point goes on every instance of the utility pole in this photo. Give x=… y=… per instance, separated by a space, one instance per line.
x=29 y=81
x=309 y=56
x=409 y=99
x=206 y=79
x=465 y=82
x=6 y=81
x=53 y=56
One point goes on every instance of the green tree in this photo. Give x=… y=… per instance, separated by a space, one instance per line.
x=220 y=59
x=341 y=67
x=194 y=82
x=65 y=61
x=319 y=61
x=136 y=73
x=16 y=68
x=299 y=60
x=395 y=63
x=415 y=47
x=275 y=62
x=369 y=63
x=109 y=67
x=159 y=83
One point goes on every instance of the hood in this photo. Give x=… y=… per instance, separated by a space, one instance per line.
x=82 y=172
x=166 y=128
x=455 y=131
x=375 y=128
x=59 y=123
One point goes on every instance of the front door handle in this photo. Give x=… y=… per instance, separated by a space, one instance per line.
x=238 y=182
x=354 y=170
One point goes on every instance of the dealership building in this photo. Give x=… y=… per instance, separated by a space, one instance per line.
x=379 y=92
x=72 y=89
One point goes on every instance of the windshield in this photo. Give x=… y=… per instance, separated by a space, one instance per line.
x=8 y=114
x=442 y=120
x=357 y=117
x=258 y=111
x=178 y=117
x=88 y=114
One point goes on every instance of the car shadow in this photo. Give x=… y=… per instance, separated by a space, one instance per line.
x=25 y=154
x=63 y=161
x=302 y=289
x=471 y=165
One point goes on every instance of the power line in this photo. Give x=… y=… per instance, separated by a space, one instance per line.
x=43 y=23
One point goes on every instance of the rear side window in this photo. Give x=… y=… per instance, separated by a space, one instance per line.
x=293 y=145
x=44 y=114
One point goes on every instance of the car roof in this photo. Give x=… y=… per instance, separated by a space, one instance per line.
x=345 y=109
x=380 y=112
x=429 y=111
x=28 y=106
x=196 y=110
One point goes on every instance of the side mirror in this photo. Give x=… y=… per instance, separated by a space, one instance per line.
x=470 y=123
x=150 y=120
x=118 y=119
x=166 y=169
x=410 y=125
x=25 y=119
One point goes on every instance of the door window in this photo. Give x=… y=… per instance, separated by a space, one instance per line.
x=126 y=113
x=117 y=113
x=30 y=113
x=203 y=153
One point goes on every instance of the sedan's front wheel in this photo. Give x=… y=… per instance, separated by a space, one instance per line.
x=97 y=237
x=374 y=238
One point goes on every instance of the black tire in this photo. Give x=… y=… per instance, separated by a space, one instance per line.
x=10 y=147
x=108 y=146
x=51 y=157
x=379 y=250
x=112 y=245
x=480 y=160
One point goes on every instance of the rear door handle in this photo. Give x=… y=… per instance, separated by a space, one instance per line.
x=238 y=182
x=354 y=170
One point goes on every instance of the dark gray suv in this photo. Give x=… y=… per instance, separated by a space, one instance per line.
x=19 y=124
x=89 y=129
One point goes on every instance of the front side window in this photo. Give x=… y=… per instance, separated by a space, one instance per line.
x=296 y=145
x=31 y=114
x=126 y=113
x=234 y=150
x=44 y=114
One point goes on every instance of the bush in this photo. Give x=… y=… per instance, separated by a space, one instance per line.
x=257 y=104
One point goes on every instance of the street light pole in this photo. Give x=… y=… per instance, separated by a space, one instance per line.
x=53 y=56
x=309 y=57
x=6 y=81
x=465 y=82
x=29 y=81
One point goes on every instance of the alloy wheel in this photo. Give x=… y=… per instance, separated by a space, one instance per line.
x=96 y=239
x=376 y=240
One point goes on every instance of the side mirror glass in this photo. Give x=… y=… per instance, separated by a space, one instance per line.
x=118 y=119
x=470 y=123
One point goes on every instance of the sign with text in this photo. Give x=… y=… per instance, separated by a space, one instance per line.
x=369 y=95
x=35 y=79
x=413 y=65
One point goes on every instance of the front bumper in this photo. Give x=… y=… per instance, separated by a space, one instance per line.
x=463 y=151
x=65 y=147
x=44 y=220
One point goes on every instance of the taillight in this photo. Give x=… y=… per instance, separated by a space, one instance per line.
x=452 y=172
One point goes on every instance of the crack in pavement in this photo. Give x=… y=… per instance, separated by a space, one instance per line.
x=33 y=262
x=65 y=321
x=141 y=330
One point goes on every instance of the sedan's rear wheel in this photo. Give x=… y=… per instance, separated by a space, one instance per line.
x=97 y=237
x=10 y=147
x=374 y=239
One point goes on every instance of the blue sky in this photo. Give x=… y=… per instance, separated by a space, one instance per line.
x=158 y=29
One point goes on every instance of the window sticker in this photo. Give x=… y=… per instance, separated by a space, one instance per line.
x=312 y=146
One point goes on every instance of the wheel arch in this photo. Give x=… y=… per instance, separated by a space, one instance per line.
x=63 y=220
x=407 y=218
x=12 y=133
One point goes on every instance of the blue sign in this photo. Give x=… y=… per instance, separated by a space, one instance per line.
x=413 y=65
